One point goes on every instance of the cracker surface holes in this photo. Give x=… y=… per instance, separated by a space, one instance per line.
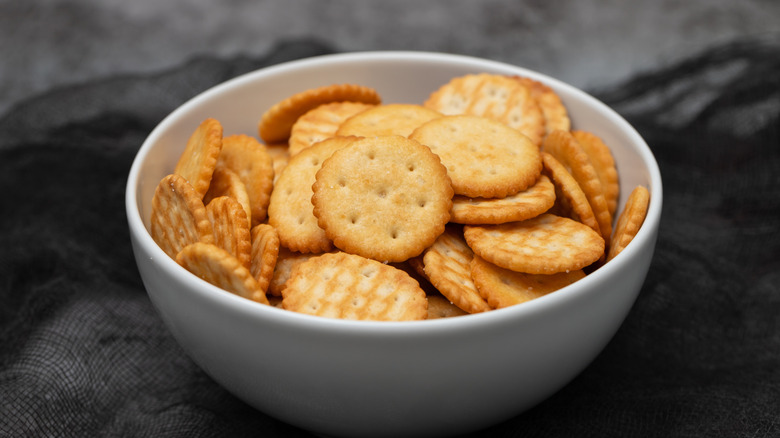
x=392 y=227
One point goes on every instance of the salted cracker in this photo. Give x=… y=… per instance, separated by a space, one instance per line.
x=526 y=204
x=570 y=200
x=225 y=182
x=630 y=220
x=556 y=116
x=276 y=123
x=389 y=119
x=322 y=123
x=250 y=160
x=178 y=215
x=348 y=286
x=447 y=265
x=230 y=227
x=484 y=157
x=199 y=158
x=491 y=95
x=440 y=307
x=218 y=267
x=290 y=210
x=264 y=254
x=604 y=163
x=286 y=261
x=567 y=150
x=386 y=198
x=546 y=244
x=503 y=287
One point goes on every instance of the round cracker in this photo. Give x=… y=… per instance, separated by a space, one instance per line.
x=280 y=155
x=220 y=268
x=225 y=182
x=484 y=158
x=503 y=288
x=630 y=220
x=196 y=164
x=322 y=123
x=250 y=160
x=440 y=307
x=386 y=198
x=447 y=264
x=286 y=260
x=230 y=227
x=526 y=204
x=546 y=244
x=568 y=151
x=555 y=114
x=290 y=210
x=393 y=119
x=490 y=95
x=570 y=200
x=347 y=286
x=264 y=254
x=178 y=216
x=604 y=163
x=276 y=123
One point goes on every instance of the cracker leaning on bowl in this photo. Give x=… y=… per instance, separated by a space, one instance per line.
x=379 y=182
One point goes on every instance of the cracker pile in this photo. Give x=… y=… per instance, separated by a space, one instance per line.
x=478 y=198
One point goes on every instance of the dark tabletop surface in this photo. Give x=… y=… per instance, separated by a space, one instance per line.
x=82 y=351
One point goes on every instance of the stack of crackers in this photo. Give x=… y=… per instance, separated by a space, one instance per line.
x=478 y=198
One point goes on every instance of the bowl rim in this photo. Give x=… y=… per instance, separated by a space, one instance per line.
x=232 y=302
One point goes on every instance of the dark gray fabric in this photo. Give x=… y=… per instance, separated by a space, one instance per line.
x=85 y=354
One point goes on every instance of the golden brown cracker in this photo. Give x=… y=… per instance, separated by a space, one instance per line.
x=385 y=198
x=604 y=163
x=570 y=200
x=447 y=265
x=225 y=182
x=250 y=160
x=280 y=155
x=347 y=286
x=491 y=95
x=286 y=260
x=390 y=119
x=440 y=307
x=230 y=227
x=526 y=204
x=630 y=220
x=546 y=244
x=416 y=263
x=322 y=123
x=196 y=164
x=276 y=123
x=218 y=267
x=264 y=254
x=568 y=151
x=484 y=157
x=503 y=288
x=556 y=116
x=290 y=210
x=178 y=216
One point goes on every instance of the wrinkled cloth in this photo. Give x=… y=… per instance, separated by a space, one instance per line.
x=84 y=353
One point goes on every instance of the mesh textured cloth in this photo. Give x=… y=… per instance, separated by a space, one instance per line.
x=85 y=354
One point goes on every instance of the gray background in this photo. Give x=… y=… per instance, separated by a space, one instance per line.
x=591 y=44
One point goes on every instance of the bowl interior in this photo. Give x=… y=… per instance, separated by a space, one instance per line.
x=399 y=77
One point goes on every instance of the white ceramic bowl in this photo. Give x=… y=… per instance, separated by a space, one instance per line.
x=353 y=378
